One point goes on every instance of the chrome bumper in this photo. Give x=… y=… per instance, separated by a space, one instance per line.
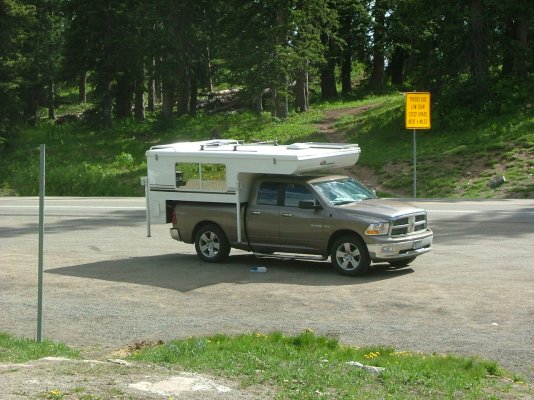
x=400 y=250
x=175 y=234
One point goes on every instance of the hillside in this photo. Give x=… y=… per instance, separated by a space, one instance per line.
x=456 y=161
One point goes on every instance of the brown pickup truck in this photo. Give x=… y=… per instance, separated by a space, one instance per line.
x=327 y=216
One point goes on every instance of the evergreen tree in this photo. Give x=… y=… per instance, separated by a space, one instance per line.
x=16 y=21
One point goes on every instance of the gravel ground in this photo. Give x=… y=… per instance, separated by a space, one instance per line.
x=108 y=286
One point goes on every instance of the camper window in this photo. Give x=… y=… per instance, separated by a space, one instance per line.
x=203 y=177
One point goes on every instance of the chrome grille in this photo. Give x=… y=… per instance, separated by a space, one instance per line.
x=408 y=225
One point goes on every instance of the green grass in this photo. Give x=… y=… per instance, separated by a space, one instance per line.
x=18 y=350
x=451 y=161
x=307 y=366
x=85 y=162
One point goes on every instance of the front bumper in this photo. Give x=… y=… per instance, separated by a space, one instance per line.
x=400 y=250
x=175 y=234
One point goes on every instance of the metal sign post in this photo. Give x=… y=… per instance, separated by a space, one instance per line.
x=40 y=291
x=414 y=166
x=417 y=117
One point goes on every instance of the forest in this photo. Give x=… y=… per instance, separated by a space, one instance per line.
x=172 y=56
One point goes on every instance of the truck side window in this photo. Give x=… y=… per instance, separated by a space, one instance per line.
x=268 y=194
x=294 y=193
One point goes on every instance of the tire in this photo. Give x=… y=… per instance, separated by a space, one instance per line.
x=211 y=244
x=401 y=263
x=349 y=255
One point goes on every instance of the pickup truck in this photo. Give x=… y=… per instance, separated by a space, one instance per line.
x=327 y=216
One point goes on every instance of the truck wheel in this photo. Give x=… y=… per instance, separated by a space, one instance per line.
x=211 y=243
x=350 y=256
x=401 y=263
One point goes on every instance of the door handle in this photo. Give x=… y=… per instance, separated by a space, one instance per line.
x=255 y=212
x=287 y=215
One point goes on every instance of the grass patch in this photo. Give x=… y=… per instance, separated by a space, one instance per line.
x=81 y=161
x=452 y=161
x=18 y=350
x=307 y=366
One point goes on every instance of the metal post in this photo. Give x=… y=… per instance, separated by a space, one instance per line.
x=238 y=212
x=41 y=244
x=144 y=182
x=414 y=166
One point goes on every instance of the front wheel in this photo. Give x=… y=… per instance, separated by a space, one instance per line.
x=211 y=243
x=349 y=255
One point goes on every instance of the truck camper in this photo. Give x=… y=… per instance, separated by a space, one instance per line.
x=276 y=199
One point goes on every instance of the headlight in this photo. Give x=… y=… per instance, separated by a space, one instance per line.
x=381 y=228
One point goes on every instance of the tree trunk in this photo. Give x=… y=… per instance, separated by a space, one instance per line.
x=479 y=65
x=327 y=71
x=377 y=72
x=301 y=89
x=158 y=98
x=32 y=105
x=209 y=83
x=328 y=81
x=184 y=92
x=280 y=95
x=346 y=71
x=139 y=104
x=106 y=106
x=124 y=97
x=51 y=101
x=258 y=103
x=515 y=51
x=280 y=104
x=168 y=95
x=397 y=67
x=193 y=98
x=346 y=56
x=522 y=50
x=151 y=86
x=82 y=88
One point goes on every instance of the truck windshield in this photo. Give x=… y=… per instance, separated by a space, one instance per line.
x=344 y=191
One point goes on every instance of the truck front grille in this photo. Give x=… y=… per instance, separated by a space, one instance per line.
x=408 y=225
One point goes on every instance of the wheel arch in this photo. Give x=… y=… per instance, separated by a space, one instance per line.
x=336 y=235
x=203 y=223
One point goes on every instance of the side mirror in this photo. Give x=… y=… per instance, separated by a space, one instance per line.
x=310 y=205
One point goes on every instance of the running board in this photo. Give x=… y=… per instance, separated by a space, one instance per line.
x=291 y=256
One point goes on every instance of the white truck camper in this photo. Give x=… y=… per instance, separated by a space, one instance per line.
x=220 y=171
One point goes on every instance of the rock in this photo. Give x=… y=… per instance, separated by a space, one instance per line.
x=176 y=385
x=496 y=181
x=370 y=368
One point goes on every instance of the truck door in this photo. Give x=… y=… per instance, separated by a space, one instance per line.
x=263 y=216
x=301 y=230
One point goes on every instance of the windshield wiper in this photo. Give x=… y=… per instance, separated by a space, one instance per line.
x=340 y=203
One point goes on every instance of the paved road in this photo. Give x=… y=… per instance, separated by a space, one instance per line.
x=108 y=285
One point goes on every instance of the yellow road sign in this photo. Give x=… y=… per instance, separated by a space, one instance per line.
x=418 y=110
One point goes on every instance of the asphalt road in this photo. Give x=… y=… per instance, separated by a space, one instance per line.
x=108 y=285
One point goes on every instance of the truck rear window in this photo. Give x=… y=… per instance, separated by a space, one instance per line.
x=268 y=194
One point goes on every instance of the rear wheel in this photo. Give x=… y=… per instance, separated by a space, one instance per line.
x=211 y=243
x=349 y=255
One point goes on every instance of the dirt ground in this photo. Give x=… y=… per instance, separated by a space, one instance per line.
x=58 y=378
